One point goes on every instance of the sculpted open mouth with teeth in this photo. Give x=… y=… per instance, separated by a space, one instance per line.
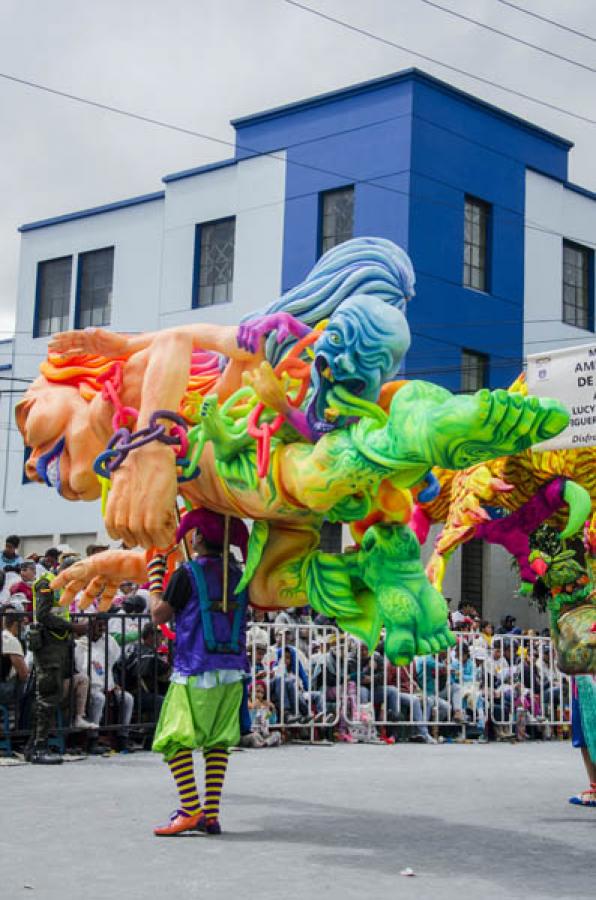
x=48 y=465
x=361 y=348
x=322 y=412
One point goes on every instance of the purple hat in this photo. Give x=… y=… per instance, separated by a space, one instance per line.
x=212 y=527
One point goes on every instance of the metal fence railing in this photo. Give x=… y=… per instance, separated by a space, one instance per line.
x=301 y=677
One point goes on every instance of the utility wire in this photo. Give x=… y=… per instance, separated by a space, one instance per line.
x=438 y=62
x=535 y=15
x=511 y=37
x=373 y=181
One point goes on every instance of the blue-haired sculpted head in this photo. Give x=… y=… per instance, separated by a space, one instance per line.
x=361 y=348
x=369 y=265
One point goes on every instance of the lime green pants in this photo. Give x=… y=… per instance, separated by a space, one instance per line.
x=193 y=717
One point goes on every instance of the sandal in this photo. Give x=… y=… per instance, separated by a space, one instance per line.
x=586 y=798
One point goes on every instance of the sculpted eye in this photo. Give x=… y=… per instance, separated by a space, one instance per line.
x=335 y=338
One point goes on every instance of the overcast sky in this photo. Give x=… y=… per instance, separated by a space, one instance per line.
x=199 y=63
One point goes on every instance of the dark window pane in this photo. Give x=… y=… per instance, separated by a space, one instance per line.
x=476 y=217
x=330 y=541
x=337 y=217
x=216 y=266
x=53 y=296
x=474 y=371
x=96 y=273
x=577 y=301
x=472 y=571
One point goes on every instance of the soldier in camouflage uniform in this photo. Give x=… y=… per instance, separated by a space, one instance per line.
x=50 y=640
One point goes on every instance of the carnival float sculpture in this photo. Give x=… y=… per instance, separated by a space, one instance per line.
x=504 y=501
x=291 y=418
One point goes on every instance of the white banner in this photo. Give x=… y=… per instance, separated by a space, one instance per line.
x=568 y=375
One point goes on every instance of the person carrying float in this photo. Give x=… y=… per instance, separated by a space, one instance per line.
x=201 y=708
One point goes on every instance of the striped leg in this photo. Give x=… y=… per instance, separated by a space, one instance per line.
x=216 y=763
x=182 y=768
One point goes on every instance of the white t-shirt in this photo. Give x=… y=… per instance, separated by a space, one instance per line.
x=99 y=679
x=11 y=646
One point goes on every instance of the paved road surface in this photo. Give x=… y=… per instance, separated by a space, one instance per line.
x=472 y=821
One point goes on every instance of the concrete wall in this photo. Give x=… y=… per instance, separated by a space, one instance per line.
x=553 y=211
x=253 y=191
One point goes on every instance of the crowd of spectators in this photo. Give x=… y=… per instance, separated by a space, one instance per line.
x=306 y=681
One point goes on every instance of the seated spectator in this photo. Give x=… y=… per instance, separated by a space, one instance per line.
x=408 y=700
x=465 y=676
x=14 y=671
x=125 y=626
x=289 y=682
x=507 y=625
x=25 y=584
x=97 y=654
x=291 y=691
x=147 y=672
x=256 y=634
x=9 y=558
x=126 y=589
x=92 y=549
x=262 y=716
x=432 y=675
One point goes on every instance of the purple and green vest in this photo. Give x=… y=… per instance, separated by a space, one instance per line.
x=206 y=637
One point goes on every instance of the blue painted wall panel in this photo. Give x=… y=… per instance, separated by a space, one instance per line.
x=424 y=146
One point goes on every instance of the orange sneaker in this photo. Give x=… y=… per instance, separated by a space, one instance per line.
x=179 y=822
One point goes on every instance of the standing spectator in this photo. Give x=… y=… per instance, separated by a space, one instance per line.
x=50 y=559
x=98 y=653
x=14 y=670
x=10 y=555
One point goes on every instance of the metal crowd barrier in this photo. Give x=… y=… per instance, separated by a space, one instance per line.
x=447 y=688
x=525 y=683
x=306 y=677
x=103 y=681
x=300 y=669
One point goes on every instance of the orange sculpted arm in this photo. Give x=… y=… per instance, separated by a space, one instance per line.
x=99 y=342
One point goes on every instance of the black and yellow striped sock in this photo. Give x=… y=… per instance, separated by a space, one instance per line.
x=216 y=763
x=182 y=768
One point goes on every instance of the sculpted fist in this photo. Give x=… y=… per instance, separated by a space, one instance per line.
x=141 y=503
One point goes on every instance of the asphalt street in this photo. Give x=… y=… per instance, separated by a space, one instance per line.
x=471 y=821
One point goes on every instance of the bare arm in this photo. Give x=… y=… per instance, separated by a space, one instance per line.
x=161 y=611
x=19 y=665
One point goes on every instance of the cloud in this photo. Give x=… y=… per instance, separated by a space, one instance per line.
x=199 y=64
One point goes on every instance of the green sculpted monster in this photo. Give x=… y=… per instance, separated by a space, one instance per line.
x=382 y=584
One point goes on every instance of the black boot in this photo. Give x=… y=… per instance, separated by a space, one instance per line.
x=43 y=756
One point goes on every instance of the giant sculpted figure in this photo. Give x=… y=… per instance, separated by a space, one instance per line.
x=289 y=419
